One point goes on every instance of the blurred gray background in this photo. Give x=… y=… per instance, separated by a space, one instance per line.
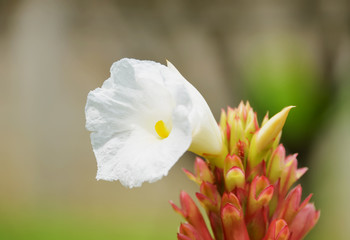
x=272 y=53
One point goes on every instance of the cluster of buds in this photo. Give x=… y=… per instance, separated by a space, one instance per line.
x=246 y=192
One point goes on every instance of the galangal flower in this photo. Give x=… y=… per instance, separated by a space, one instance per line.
x=146 y=115
x=142 y=120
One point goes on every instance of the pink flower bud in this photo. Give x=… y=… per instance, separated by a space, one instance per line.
x=292 y=204
x=233 y=219
x=304 y=221
x=290 y=173
x=260 y=194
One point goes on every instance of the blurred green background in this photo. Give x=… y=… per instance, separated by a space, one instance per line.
x=272 y=53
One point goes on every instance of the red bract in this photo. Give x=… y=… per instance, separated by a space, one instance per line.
x=249 y=198
x=193 y=216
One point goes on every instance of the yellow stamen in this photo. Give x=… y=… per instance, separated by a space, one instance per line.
x=161 y=129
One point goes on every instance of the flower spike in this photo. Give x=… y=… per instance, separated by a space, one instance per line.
x=248 y=197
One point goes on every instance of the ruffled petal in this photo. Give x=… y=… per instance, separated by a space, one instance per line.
x=122 y=115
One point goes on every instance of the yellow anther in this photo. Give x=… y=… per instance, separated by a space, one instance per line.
x=161 y=129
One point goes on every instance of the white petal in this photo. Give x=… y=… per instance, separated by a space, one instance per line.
x=122 y=114
x=135 y=157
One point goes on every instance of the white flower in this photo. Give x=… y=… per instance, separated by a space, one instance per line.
x=143 y=118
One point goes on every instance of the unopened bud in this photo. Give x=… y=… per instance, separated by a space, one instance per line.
x=278 y=230
x=271 y=129
x=202 y=171
x=260 y=194
x=275 y=164
x=265 y=138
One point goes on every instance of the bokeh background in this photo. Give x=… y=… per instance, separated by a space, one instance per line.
x=272 y=53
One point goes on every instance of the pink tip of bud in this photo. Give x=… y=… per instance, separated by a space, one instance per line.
x=230 y=214
x=278 y=230
x=259 y=186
